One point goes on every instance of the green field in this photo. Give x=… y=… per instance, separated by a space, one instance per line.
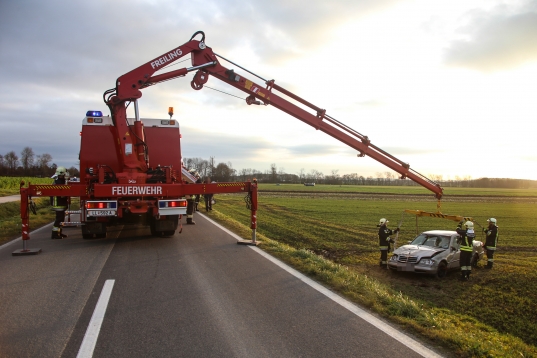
x=413 y=190
x=499 y=305
x=11 y=185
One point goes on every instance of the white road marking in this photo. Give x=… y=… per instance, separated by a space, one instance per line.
x=92 y=333
x=389 y=330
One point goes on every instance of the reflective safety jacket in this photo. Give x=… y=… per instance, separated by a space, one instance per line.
x=59 y=203
x=466 y=239
x=384 y=237
x=492 y=237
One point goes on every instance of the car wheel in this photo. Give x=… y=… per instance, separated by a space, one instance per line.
x=442 y=270
x=475 y=260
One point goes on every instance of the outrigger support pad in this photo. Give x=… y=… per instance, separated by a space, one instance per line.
x=24 y=251
x=252 y=242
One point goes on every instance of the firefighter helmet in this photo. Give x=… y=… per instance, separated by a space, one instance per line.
x=383 y=221
x=492 y=220
x=61 y=171
x=469 y=224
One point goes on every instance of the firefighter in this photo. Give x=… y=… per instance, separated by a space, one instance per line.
x=59 y=204
x=491 y=240
x=385 y=240
x=208 y=197
x=466 y=241
x=197 y=197
x=190 y=200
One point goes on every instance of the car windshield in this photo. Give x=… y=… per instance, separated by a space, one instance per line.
x=437 y=241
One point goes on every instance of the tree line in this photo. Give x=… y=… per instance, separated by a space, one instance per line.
x=30 y=164
x=41 y=165
x=224 y=172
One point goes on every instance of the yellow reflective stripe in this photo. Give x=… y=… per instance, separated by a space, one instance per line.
x=52 y=187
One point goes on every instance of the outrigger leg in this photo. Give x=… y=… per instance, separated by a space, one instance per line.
x=252 y=205
x=25 y=217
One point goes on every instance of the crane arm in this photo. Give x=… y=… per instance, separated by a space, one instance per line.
x=206 y=62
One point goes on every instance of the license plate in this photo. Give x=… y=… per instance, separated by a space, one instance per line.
x=101 y=213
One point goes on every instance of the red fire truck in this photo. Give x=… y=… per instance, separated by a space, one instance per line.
x=131 y=168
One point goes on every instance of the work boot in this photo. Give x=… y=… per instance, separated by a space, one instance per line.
x=196 y=208
x=55 y=235
x=463 y=276
x=190 y=221
x=489 y=265
x=62 y=236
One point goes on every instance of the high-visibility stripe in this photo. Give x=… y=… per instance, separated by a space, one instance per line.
x=52 y=187
x=230 y=184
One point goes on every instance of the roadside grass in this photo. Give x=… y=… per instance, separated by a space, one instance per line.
x=334 y=241
x=10 y=218
x=385 y=189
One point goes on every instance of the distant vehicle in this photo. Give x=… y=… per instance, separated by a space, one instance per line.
x=309 y=184
x=432 y=252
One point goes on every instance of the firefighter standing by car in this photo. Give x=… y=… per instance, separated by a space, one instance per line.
x=208 y=197
x=466 y=241
x=491 y=240
x=197 y=197
x=190 y=200
x=385 y=240
x=59 y=204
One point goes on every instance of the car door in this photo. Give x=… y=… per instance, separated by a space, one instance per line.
x=453 y=257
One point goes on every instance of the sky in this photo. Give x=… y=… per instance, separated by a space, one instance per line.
x=446 y=86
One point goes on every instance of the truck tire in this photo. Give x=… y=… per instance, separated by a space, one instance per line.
x=442 y=270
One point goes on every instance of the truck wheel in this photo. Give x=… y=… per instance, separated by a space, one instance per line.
x=475 y=260
x=168 y=233
x=87 y=236
x=442 y=270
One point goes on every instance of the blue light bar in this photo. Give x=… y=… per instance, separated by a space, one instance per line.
x=94 y=114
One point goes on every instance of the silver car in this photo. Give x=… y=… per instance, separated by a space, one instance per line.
x=432 y=252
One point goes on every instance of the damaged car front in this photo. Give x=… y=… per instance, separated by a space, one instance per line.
x=432 y=252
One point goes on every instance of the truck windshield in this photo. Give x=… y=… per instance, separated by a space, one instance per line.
x=436 y=241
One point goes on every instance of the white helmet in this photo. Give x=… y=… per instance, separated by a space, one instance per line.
x=61 y=171
x=469 y=224
x=492 y=220
x=383 y=221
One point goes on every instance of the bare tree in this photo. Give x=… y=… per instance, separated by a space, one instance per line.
x=12 y=161
x=273 y=173
x=43 y=161
x=301 y=174
x=27 y=159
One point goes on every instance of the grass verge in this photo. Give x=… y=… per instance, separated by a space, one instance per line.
x=10 y=218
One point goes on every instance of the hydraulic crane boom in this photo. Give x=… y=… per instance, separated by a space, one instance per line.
x=205 y=61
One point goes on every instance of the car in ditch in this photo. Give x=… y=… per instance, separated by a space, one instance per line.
x=432 y=252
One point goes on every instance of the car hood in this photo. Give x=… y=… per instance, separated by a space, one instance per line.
x=418 y=251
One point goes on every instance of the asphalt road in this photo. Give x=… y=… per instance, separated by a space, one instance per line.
x=197 y=294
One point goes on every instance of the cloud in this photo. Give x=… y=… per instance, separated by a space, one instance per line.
x=500 y=39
